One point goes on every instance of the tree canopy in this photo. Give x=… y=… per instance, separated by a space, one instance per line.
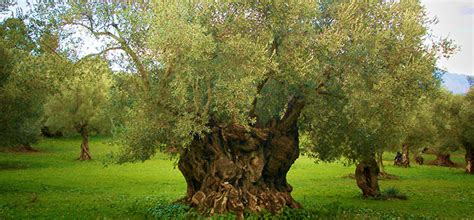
x=229 y=87
x=82 y=99
x=22 y=89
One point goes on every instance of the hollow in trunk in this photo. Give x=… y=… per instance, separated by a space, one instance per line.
x=366 y=177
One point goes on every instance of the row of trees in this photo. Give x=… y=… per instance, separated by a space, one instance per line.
x=232 y=85
x=42 y=88
x=441 y=125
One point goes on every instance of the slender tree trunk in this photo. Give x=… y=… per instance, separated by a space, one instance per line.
x=85 y=154
x=234 y=168
x=380 y=163
x=405 y=155
x=366 y=177
x=469 y=159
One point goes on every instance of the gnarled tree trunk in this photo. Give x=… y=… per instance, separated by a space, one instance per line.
x=235 y=168
x=405 y=155
x=85 y=154
x=232 y=169
x=443 y=160
x=418 y=159
x=469 y=160
x=366 y=177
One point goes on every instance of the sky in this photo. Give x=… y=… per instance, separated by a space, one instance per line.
x=455 y=21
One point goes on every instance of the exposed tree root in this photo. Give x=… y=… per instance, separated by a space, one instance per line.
x=235 y=168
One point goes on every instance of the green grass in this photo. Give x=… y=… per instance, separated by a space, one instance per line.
x=51 y=184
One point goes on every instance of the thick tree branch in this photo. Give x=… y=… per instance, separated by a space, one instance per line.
x=208 y=102
x=138 y=63
x=273 y=51
x=296 y=104
x=124 y=46
x=99 y=53
x=254 y=102
x=320 y=89
x=294 y=108
x=53 y=51
x=141 y=68
x=196 y=97
x=327 y=77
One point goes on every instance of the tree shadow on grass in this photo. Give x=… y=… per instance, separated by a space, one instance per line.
x=13 y=165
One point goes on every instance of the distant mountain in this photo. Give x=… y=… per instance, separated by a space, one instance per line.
x=456 y=83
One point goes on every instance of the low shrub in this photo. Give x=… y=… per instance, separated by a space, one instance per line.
x=393 y=193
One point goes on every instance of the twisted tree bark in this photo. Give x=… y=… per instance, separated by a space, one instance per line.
x=85 y=154
x=366 y=177
x=234 y=168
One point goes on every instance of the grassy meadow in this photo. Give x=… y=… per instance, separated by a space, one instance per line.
x=51 y=184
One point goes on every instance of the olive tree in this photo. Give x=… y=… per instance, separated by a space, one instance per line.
x=81 y=102
x=452 y=117
x=467 y=129
x=439 y=126
x=239 y=76
x=420 y=131
x=446 y=108
x=386 y=69
x=227 y=85
x=23 y=85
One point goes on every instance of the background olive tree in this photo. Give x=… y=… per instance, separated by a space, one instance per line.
x=386 y=69
x=81 y=103
x=23 y=86
x=467 y=129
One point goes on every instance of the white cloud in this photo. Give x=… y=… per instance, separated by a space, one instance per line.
x=456 y=21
